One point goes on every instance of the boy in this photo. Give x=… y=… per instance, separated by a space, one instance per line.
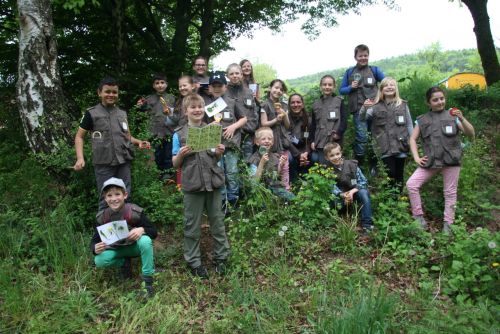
x=350 y=184
x=139 y=241
x=360 y=84
x=232 y=120
x=111 y=139
x=267 y=165
x=160 y=107
x=201 y=181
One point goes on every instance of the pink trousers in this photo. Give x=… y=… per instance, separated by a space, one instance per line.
x=285 y=171
x=450 y=185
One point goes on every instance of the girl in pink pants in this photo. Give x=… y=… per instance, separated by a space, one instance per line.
x=439 y=130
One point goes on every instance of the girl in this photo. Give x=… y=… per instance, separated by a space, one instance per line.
x=246 y=103
x=329 y=119
x=186 y=86
x=299 y=136
x=248 y=79
x=274 y=114
x=391 y=128
x=439 y=130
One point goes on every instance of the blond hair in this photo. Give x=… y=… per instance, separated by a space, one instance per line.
x=261 y=130
x=380 y=95
x=190 y=99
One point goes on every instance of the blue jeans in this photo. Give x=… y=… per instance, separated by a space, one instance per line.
x=229 y=163
x=247 y=146
x=318 y=156
x=362 y=198
x=361 y=135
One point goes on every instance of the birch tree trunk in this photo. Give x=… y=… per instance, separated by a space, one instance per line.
x=43 y=108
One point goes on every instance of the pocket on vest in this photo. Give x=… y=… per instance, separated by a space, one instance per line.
x=218 y=178
x=191 y=179
x=101 y=151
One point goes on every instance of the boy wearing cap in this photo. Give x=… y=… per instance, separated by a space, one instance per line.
x=111 y=139
x=232 y=120
x=139 y=241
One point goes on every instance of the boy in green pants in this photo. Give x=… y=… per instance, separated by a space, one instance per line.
x=138 y=242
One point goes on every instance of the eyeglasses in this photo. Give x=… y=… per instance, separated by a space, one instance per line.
x=200 y=65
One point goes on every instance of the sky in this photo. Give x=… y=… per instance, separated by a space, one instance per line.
x=388 y=33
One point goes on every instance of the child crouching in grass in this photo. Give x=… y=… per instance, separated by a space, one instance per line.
x=351 y=184
x=266 y=165
x=139 y=241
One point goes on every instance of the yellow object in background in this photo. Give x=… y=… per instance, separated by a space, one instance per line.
x=460 y=80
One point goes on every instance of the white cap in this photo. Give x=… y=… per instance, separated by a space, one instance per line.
x=114 y=181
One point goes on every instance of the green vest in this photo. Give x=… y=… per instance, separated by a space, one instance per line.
x=389 y=129
x=441 y=140
x=110 y=136
x=326 y=112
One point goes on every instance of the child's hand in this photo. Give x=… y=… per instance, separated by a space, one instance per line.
x=185 y=150
x=79 y=164
x=144 y=144
x=264 y=159
x=283 y=159
x=229 y=131
x=135 y=233
x=219 y=150
x=368 y=103
x=354 y=84
x=313 y=146
x=304 y=159
x=141 y=102
x=99 y=247
x=421 y=161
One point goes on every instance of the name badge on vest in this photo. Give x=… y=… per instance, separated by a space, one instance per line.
x=333 y=114
x=401 y=119
x=306 y=135
x=227 y=115
x=124 y=126
x=354 y=182
x=448 y=129
x=294 y=140
x=248 y=102
x=369 y=81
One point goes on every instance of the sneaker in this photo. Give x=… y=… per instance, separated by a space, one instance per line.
x=200 y=272
x=221 y=267
x=421 y=221
x=126 y=269
x=446 y=228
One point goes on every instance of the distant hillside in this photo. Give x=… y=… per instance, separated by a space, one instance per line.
x=431 y=62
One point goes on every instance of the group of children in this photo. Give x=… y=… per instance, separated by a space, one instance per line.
x=277 y=139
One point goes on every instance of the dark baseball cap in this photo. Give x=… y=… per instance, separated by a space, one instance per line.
x=218 y=77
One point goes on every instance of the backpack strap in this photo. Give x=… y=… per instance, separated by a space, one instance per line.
x=127 y=214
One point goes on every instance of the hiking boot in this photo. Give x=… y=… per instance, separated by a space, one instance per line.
x=126 y=269
x=367 y=230
x=421 y=221
x=149 y=291
x=221 y=267
x=447 y=228
x=200 y=272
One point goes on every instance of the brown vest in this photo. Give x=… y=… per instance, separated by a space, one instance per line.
x=270 y=175
x=389 y=129
x=326 y=112
x=299 y=133
x=200 y=171
x=157 y=119
x=346 y=175
x=441 y=140
x=130 y=212
x=367 y=88
x=246 y=103
x=280 y=133
x=228 y=118
x=110 y=136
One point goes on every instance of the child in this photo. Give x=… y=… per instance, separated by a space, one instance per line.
x=329 y=120
x=391 y=128
x=267 y=165
x=186 y=87
x=201 y=183
x=139 y=241
x=111 y=139
x=160 y=106
x=360 y=84
x=248 y=78
x=299 y=136
x=439 y=130
x=274 y=114
x=233 y=119
x=351 y=184
x=246 y=103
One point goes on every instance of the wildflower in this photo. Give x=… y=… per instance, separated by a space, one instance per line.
x=432 y=242
x=479 y=228
x=412 y=252
x=495 y=264
x=284 y=228
x=492 y=244
x=403 y=198
x=281 y=234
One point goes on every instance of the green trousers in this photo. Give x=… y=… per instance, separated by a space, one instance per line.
x=195 y=204
x=115 y=257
